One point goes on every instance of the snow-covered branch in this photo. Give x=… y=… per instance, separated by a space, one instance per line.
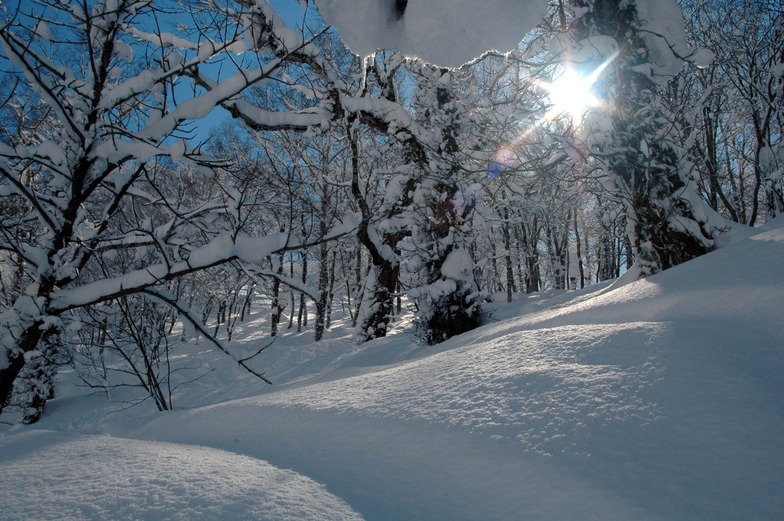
x=220 y=250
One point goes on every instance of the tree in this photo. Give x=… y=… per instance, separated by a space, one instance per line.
x=398 y=174
x=738 y=146
x=439 y=262
x=114 y=90
x=128 y=343
x=638 y=44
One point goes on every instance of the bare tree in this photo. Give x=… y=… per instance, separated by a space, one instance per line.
x=113 y=91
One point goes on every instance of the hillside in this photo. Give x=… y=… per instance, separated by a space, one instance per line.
x=651 y=400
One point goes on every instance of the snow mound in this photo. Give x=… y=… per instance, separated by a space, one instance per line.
x=657 y=399
x=650 y=400
x=49 y=475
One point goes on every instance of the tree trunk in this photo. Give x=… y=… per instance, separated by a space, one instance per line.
x=28 y=340
x=8 y=375
x=358 y=288
x=331 y=292
x=302 y=314
x=276 y=309
x=508 y=256
x=323 y=293
x=641 y=158
x=529 y=240
x=291 y=294
x=579 y=253
x=376 y=307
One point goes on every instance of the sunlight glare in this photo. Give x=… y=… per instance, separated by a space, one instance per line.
x=570 y=93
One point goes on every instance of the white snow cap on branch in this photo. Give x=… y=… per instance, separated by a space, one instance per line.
x=448 y=33
x=664 y=35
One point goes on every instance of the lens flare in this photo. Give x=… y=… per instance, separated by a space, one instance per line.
x=503 y=157
x=570 y=94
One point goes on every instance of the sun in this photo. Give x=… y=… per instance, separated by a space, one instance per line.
x=570 y=93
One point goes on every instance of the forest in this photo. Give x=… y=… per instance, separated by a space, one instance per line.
x=167 y=167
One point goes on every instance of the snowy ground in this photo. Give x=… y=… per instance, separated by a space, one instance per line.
x=652 y=400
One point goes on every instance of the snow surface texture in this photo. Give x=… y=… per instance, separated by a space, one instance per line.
x=657 y=399
x=100 y=477
x=448 y=33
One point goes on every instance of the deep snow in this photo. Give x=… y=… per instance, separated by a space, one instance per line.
x=658 y=399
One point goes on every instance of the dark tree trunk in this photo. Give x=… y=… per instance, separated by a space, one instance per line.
x=643 y=165
x=276 y=309
x=323 y=291
x=529 y=238
x=331 y=292
x=377 y=305
x=28 y=341
x=302 y=314
x=579 y=252
x=8 y=376
x=508 y=257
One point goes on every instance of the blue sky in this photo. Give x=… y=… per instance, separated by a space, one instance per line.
x=291 y=11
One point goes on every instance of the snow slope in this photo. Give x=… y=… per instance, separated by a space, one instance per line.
x=50 y=475
x=650 y=400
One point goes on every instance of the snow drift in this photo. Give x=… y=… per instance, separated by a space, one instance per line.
x=654 y=400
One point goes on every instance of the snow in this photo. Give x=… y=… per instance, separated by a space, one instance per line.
x=130 y=479
x=448 y=33
x=458 y=265
x=43 y=31
x=657 y=399
x=664 y=32
x=702 y=58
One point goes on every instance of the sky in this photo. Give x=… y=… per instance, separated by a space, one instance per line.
x=291 y=11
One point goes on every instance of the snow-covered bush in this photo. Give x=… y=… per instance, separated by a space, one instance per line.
x=450 y=304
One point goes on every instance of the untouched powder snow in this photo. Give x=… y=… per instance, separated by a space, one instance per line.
x=100 y=477
x=657 y=399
